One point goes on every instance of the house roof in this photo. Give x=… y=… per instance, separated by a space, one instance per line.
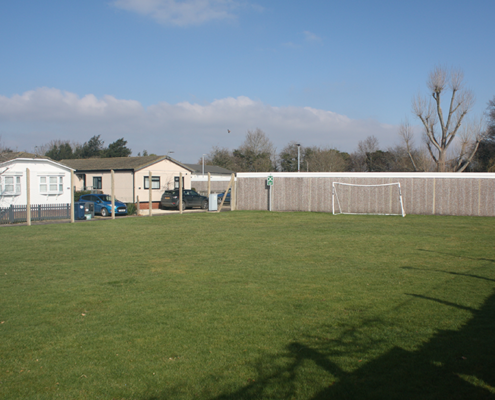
x=117 y=163
x=4 y=157
x=22 y=156
x=212 y=169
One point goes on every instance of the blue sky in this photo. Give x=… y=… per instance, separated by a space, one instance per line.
x=170 y=75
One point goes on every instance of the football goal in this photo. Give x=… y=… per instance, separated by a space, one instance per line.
x=385 y=199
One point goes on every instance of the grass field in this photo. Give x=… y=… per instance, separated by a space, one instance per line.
x=249 y=305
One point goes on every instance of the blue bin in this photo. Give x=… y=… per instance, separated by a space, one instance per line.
x=79 y=210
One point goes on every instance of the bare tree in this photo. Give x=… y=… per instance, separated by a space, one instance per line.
x=3 y=153
x=366 y=148
x=440 y=130
x=485 y=156
x=64 y=148
x=325 y=159
x=491 y=117
x=221 y=157
x=407 y=135
x=3 y=148
x=256 y=154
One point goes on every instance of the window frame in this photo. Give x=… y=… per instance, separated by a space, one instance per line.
x=51 y=184
x=154 y=180
x=99 y=181
x=16 y=184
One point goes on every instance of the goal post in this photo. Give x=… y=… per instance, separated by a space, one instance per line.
x=382 y=199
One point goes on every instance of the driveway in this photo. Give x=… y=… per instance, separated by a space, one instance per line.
x=145 y=213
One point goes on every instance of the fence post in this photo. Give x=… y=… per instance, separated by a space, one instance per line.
x=231 y=184
x=150 y=203
x=181 y=188
x=209 y=186
x=113 y=193
x=72 y=189
x=11 y=214
x=233 y=196
x=28 y=195
x=39 y=212
x=434 y=196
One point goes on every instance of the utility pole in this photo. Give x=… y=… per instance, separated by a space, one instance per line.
x=298 y=157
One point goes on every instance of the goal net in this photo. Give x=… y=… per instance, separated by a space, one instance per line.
x=385 y=199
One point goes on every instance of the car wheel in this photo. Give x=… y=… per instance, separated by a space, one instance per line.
x=183 y=206
x=104 y=212
x=204 y=206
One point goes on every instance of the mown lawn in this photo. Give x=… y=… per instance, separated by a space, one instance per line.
x=249 y=305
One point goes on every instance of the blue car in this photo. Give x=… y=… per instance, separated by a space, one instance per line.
x=103 y=204
x=227 y=198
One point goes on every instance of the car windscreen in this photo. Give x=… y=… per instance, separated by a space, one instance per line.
x=106 y=197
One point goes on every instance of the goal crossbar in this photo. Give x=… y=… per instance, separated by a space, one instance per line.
x=336 y=201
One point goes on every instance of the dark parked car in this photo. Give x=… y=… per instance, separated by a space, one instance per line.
x=103 y=204
x=170 y=199
x=227 y=198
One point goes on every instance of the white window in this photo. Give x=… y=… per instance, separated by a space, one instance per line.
x=51 y=184
x=10 y=185
x=155 y=182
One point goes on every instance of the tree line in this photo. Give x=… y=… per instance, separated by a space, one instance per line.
x=94 y=147
x=257 y=154
x=450 y=141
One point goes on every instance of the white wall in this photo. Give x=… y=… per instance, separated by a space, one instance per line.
x=39 y=169
x=123 y=183
x=167 y=171
x=218 y=183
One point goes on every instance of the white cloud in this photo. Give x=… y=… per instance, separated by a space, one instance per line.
x=292 y=45
x=189 y=129
x=46 y=104
x=181 y=12
x=311 y=37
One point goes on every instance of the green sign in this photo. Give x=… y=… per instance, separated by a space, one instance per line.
x=269 y=180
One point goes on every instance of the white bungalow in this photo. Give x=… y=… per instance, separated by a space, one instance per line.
x=49 y=181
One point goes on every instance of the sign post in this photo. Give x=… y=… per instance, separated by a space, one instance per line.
x=269 y=182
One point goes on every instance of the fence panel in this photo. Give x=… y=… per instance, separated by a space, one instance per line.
x=39 y=212
x=470 y=194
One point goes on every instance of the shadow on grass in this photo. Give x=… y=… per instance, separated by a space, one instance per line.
x=451 y=273
x=451 y=365
x=458 y=256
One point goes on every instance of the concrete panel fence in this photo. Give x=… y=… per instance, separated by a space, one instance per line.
x=218 y=184
x=423 y=193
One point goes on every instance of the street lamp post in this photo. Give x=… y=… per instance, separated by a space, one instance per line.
x=204 y=164
x=298 y=157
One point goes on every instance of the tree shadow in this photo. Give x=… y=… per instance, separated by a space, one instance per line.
x=451 y=365
x=450 y=273
x=458 y=256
